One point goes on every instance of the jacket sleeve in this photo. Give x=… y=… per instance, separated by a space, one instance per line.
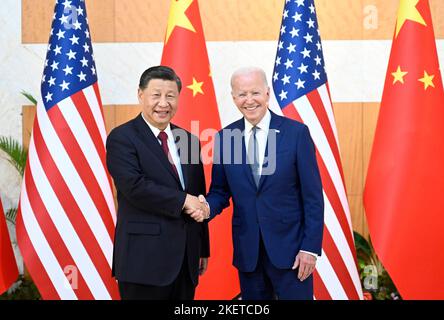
x=123 y=164
x=312 y=194
x=219 y=194
x=205 y=246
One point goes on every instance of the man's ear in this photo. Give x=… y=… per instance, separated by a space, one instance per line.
x=139 y=95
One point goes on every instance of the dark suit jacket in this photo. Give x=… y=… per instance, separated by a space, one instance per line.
x=152 y=233
x=287 y=208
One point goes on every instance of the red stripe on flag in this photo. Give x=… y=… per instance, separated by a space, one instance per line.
x=329 y=187
x=99 y=99
x=321 y=114
x=87 y=116
x=320 y=290
x=329 y=95
x=339 y=266
x=71 y=208
x=327 y=183
x=81 y=164
x=32 y=260
x=332 y=194
x=336 y=204
x=52 y=235
x=291 y=112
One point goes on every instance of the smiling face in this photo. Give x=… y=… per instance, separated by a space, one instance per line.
x=159 y=102
x=251 y=95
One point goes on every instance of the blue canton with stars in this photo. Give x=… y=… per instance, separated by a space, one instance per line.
x=69 y=64
x=299 y=66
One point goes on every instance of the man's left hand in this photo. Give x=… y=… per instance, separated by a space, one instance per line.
x=203 y=265
x=306 y=263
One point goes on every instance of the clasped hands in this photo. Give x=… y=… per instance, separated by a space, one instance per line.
x=196 y=207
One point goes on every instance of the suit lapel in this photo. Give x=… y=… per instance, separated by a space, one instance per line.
x=147 y=136
x=245 y=164
x=184 y=162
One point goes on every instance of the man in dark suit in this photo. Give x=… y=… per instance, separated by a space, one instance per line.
x=267 y=164
x=159 y=250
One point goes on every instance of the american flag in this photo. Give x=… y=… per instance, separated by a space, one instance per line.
x=301 y=89
x=66 y=220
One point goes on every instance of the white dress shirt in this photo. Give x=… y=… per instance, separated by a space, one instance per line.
x=261 y=136
x=171 y=146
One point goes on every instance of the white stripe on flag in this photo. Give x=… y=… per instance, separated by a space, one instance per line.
x=91 y=98
x=75 y=183
x=329 y=278
x=309 y=117
x=42 y=248
x=65 y=228
x=323 y=93
x=81 y=134
x=341 y=243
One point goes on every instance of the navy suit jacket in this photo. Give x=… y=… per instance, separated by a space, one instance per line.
x=287 y=207
x=152 y=233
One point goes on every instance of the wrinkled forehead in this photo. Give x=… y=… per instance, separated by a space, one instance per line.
x=248 y=84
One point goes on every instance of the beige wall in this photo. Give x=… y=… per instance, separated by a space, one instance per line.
x=145 y=21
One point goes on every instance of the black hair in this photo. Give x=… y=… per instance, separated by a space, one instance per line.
x=159 y=72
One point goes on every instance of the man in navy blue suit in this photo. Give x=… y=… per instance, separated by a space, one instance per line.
x=267 y=165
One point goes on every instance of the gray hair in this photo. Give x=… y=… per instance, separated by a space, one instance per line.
x=249 y=70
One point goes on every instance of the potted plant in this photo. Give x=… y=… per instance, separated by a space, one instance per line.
x=23 y=288
x=375 y=280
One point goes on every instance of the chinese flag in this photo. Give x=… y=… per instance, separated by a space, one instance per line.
x=185 y=51
x=404 y=189
x=8 y=267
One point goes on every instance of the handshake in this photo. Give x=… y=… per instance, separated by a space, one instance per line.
x=196 y=207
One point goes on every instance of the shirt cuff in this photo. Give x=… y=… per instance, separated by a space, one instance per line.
x=311 y=253
x=209 y=211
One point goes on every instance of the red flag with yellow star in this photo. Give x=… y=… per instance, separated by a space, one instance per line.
x=403 y=195
x=185 y=51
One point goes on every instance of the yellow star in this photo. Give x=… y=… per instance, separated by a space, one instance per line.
x=427 y=80
x=407 y=11
x=398 y=75
x=178 y=18
x=196 y=87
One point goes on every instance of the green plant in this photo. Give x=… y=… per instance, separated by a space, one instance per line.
x=11 y=215
x=29 y=97
x=17 y=154
x=23 y=289
x=373 y=275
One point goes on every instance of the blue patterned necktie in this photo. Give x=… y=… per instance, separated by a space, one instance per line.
x=253 y=155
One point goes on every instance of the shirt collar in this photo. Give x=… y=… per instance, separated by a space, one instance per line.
x=156 y=131
x=264 y=124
